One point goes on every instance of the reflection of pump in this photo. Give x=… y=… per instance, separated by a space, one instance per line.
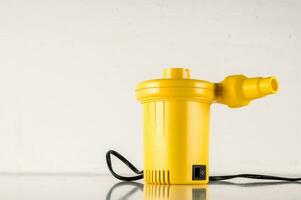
x=159 y=192
x=175 y=192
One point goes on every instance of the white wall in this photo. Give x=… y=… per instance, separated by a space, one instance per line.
x=68 y=71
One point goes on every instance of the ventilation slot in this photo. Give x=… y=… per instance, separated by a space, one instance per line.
x=160 y=177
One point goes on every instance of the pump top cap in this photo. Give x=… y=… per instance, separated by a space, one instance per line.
x=175 y=85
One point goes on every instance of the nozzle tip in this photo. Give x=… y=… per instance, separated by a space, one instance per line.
x=274 y=84
x=268 y=85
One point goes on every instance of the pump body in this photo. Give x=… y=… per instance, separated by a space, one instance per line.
x=176 y=112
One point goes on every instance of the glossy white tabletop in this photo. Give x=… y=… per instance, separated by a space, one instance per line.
x=98 y=187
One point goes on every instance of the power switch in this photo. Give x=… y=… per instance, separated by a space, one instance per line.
x=198 y=172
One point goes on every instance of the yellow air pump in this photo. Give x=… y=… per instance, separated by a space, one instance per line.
x=176 y=113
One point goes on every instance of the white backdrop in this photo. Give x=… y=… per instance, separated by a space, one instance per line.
x=68 y=70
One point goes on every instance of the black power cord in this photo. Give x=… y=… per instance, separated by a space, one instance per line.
x=211 y=178
x=127 y=163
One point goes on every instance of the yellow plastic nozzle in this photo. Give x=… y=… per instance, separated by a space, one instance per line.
x=239 y=90
x=258 y=87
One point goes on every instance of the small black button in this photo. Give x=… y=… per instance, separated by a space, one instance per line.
x=198 y=172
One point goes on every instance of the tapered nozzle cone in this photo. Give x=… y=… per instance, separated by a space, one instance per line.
x=259 y=87
x=238 y=90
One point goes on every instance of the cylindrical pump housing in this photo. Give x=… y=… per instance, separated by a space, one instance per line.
x=176 y=125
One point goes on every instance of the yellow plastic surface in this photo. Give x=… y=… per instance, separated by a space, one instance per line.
x=176 y=120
